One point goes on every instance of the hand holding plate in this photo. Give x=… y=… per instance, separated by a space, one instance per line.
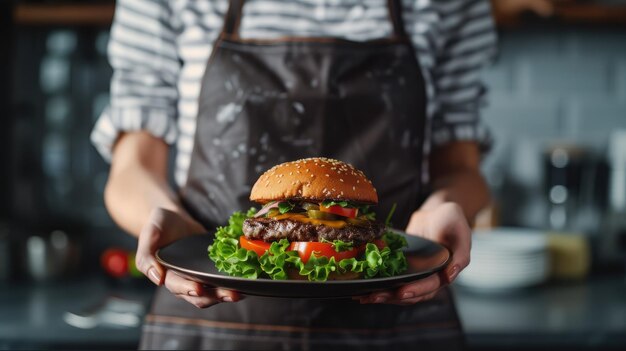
x=447 y=225
x=162 y=228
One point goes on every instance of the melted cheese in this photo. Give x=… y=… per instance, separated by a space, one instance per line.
x=305 y=219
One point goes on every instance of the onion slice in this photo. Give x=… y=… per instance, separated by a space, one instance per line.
x=266 y=209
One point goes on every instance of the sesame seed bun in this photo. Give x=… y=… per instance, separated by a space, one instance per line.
x=314 y=179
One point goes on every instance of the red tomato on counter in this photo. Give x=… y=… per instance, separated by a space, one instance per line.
x=115 y=262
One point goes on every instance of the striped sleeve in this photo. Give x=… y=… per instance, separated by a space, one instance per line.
x=467 y=44
x=142 y=52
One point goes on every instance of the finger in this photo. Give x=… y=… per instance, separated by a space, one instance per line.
x=431 y=296
x=184 y=287
x=180 y=286
x=150 y=238
x=450 y=273
x=419 y=288
x=460 y=258
x=225 y=295
x=145 y=260
x=416 y=299
x=415 y=223
x=379 y=297
x=200 y=301
x=363 y=298
x=405 y=302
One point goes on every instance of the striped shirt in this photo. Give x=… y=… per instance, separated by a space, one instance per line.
x=159 y=50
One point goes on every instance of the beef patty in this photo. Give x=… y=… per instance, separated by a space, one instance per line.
x=268 y=229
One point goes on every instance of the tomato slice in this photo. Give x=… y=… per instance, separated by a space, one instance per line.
x=306 y=248
x=341 y=211
x=258 y=246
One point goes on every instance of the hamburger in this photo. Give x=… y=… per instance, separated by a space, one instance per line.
x=315 y=223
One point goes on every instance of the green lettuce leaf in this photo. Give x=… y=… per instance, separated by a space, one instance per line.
x=390 y=214
x=339 y=245
x=285 y=207
x=394 y=241
x=367 y=212
x=231 y=258
x=328 y=203
x=228 y=256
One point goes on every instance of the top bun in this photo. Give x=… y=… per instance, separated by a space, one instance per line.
x=314 y=179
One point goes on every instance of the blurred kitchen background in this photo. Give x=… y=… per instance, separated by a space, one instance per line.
x=557 y=110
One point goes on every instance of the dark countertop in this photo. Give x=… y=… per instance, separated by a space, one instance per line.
x=586 y=315
x=572 y=316
x=31 y=315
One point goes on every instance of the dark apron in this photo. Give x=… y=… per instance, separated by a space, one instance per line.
x=264 y=102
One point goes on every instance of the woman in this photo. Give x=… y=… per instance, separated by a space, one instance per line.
x=387 y=86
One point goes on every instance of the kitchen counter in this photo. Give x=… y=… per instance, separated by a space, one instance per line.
x=32 y=315
x=577 y=316
x=570 y=316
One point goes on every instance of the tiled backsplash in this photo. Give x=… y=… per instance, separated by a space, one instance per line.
x=551 y=84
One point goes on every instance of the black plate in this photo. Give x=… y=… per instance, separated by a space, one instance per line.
x=189 y=258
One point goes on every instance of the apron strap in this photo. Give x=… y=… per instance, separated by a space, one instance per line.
x=233 y=18
x=235 y=8
x=395 y=13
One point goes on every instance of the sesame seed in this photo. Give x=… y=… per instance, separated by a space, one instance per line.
x=341 y=180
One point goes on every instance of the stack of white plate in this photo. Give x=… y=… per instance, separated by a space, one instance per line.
x=506 y=258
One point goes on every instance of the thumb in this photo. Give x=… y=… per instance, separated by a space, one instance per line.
x=146 y=247
x=459 y=244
